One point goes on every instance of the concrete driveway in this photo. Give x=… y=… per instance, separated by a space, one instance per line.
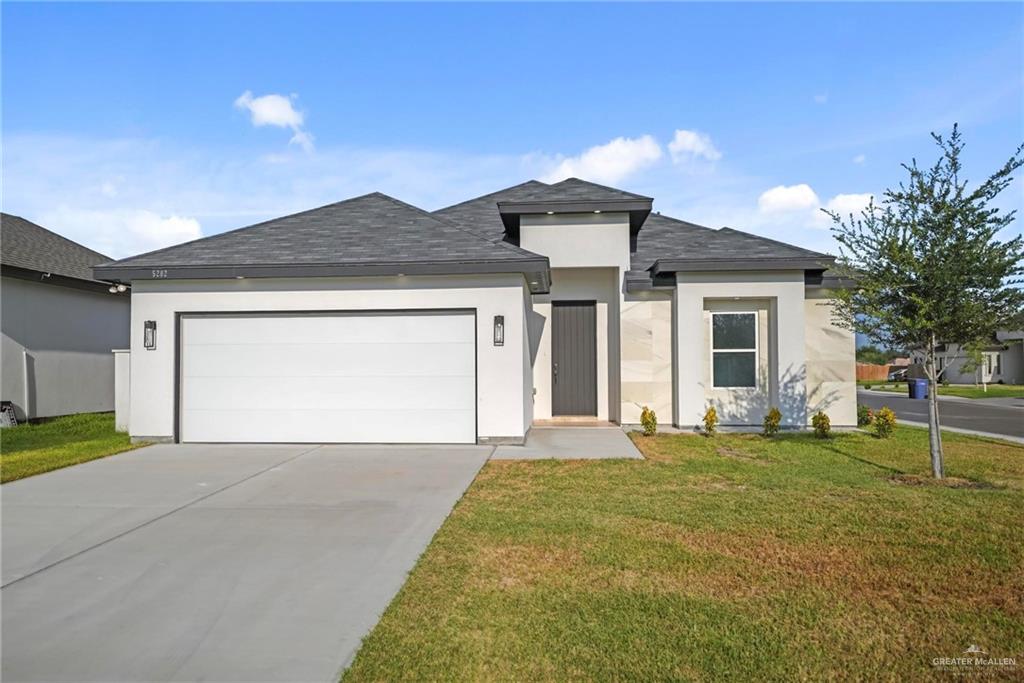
x=217 y=563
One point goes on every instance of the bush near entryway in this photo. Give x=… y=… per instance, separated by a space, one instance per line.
x=649 y=421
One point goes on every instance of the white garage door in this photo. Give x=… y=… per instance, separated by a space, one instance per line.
x=331 y=377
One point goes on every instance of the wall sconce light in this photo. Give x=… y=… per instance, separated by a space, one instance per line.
x=149 y=335
x=499 y=330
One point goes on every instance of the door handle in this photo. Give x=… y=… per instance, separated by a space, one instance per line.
x=556 y=372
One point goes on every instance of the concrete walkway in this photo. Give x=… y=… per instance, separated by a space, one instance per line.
x=570 y=443
x=217 y=563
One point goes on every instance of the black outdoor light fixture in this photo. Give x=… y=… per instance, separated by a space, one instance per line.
x=149 y=335
x=499 y=330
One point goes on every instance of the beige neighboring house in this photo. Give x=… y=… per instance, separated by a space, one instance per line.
x=1002 y=361
x=371 y=320
x=59 y=324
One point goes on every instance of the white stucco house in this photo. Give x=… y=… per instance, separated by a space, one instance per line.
x=371 y=320
x=59 y=324
x=1002 y=361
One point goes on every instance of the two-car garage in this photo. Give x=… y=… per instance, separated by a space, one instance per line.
x=328 y=377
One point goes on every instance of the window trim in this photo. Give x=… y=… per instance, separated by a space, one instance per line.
x=756 y=349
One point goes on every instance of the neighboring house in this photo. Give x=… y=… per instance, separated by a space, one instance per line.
x=59 y=324
x=1002 y=361
x=371 y=320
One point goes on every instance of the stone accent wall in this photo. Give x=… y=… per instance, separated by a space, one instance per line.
x=647 y=359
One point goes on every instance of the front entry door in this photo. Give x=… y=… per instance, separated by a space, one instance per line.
x=573 y=358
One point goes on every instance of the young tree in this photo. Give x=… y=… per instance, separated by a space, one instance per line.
x=929 y=265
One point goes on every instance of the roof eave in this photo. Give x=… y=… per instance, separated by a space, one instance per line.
x=57 y=279
x=662 y=266
x=537 y=271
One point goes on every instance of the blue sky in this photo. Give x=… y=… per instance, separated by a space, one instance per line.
x=127 y=127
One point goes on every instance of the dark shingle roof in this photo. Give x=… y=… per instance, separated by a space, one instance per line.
x=371 y=229
x=665 y=238
x=574 y=189
x=23 y=244
x=480 y=215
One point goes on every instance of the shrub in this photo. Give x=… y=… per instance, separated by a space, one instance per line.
x=864 y=416
x=822 y=425
x=649 y=421
x=867 y=386
x=710 y=421
x=772 y=421
x=885 y=423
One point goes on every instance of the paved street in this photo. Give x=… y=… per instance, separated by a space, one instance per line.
x=983 y=416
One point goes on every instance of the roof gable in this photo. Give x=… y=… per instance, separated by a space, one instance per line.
x=26 y=245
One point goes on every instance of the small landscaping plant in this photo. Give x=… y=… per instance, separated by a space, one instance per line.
x=822 y=425
x=649 y=421
x=867 y=386
x=885 y=423
x=772 y=421
x=710 y=421
x=864 y=416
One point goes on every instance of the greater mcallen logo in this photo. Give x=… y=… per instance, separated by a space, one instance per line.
x=973 y=658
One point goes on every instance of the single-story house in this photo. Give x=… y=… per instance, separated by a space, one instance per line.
x=1002 y=361
x=59 y=324
x=371 y=320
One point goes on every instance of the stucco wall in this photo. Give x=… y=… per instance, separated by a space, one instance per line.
x=568 y=284
x=588 y=253
x=1011 y=365
x=56 y=347
x=501 y=377
x=647 y=356
x=578 y=240
x=783 y=294
x=743 y=405
x=831 y=363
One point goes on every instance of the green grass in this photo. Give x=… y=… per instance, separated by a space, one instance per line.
x=960 y=390
x=734 y=557
x=31 y=449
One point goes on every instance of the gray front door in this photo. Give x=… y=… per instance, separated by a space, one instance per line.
x=573 y=358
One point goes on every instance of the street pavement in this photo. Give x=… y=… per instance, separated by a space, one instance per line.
x=992 y=416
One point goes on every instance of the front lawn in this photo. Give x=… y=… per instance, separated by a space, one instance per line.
x=36 y=448
x=960 y=390
x=734 y=557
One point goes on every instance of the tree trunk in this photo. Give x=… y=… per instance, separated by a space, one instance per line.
x=934 y=435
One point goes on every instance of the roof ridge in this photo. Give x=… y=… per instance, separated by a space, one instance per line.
x=603 y=187
x=680 y=220
x=444 y=221
x=247 y=227
x=773 y=241
x=491 y=194
x=55 y=234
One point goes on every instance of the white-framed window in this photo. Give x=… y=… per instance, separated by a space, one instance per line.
x=734 y=350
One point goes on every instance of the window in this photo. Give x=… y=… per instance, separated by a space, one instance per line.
x=733 y=350
x=998 y=368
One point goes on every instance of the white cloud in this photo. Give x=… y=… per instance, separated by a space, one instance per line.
x=270 y=110
x=691 y=144
x=788 y=198
x=303 y=139
x=276 y=110
x=608 y=163
x=845 y=204
x=121 y=232
x=821 y=98
x=859 y=159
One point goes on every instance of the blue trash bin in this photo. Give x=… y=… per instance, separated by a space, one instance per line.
x=918 y=388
